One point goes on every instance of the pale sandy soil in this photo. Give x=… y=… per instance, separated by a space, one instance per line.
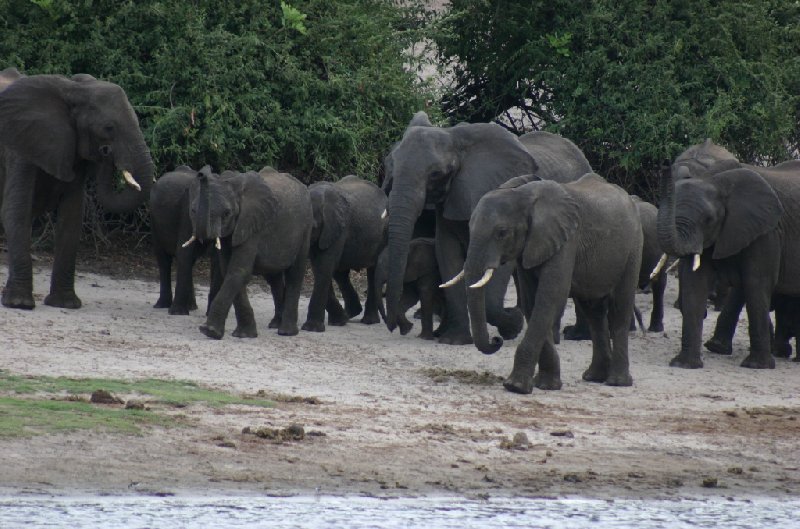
x=391 y=426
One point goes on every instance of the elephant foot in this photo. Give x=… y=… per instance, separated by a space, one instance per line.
x=212 y=331
x=686 y=362
x=547 y=381
x=426 y=335
x=163 y=303
x=370 y=319
x=782 y=350
x=621 y=379
x=338 y=318
x=455 y=337
x=17 y=300
x=656 y=327
x=521 y=384
x=179 y=310
x=405 y=326
x=64 y=300
x=758 y=362
x=353 y=310
x=313 y=326
x=288 y=330
x=595 y=374
x=245 y=331
x=275 y=323
x=718 y=346
x=796 y=357
x=511 y=327
x=573 y=332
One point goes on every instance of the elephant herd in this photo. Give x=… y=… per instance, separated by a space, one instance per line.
x=462 y=210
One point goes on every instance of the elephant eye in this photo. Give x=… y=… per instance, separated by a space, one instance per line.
x=226 y=214
x=501 y=233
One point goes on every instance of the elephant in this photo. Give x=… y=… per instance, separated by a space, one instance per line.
x=451 y=168
x=261 y=223
x=787 y=326
x=171 y=226
x=651 y=255
x=736 y=223
x=348 y=234
x=581 y=239
x=55 y=133
x=420 y=285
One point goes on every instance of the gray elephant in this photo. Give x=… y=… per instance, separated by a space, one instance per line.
x=451 y=169
x=651 y=255
x=735 y=222
x=581 y=239
x=348 y=235
x=420 y=285
x=787 y=325
x=262 y=224
x=55 y=133
x=171 y=227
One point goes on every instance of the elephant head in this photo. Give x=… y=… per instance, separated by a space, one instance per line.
x=728 y=210
x=451 y=168
x=330 y=214
x=57 y=123
x=234 y=205
x=525 y=220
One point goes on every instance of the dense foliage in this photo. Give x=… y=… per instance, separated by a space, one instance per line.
x=311 y=86
x=633 y=82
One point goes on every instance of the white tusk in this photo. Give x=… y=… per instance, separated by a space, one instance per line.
x=453 y=281
x=485 y=279
x=190 y=241
x=384 y=214
x=674 y=265
x=218 y=244
x=659 y=266
x=131 y=182
x=696 y=262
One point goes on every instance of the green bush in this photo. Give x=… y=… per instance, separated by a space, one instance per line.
x=315 y=87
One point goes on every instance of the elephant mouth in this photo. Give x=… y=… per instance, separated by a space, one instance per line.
x=193 y=238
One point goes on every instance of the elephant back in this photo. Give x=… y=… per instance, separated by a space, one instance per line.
x=557 y=157
x=366 y=204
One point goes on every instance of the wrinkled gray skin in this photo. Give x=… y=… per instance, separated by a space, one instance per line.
x=743 y=221
x=264 y=221
x=55 y=133
x=581 y=239
x=451 y=169
x=348 y=235
x=420 y=285
x=651 y=254
x=171 y=227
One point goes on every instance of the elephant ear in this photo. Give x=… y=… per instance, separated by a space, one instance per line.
x=37 y=124
x=257 y=205
x=519 y=181
x=552 y=220
x=334 y=214
x=752 y=209
x=489 y=156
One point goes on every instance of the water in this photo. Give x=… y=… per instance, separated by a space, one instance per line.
x=358 y=512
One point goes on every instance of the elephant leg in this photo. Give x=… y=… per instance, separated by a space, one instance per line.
x=596 y=312
x=408 y=299
x=508 y=321
x=352 y=304
x=277 y=287
x=217 y=276
x=620 y=307
x=336 y=313
x=184 y=300
x=579 y=331
x=658 y=286
x=294 y=284
x=17 y=214
x=693 y=288
x=426 y=287
x=237 y=274
x=721 y=342
x=245 y=317
x=758 y=285
x=450 y=253
x=67 y=235
x=371 y=305
x=322 y=268
x=164 y=261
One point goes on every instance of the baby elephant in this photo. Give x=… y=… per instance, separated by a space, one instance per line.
x=581 y=239
x=420 y=285
x=262 y=223
x=347 y=235
x=171 y=227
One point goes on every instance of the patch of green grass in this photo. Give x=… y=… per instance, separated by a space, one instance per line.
x=170 y=392
x=41 y=405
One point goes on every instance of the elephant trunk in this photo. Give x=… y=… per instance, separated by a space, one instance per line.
x=202 y=221
x=474 y=275
x=675 y=233
x=403 y=213
x=379 y=282
x=138 y=163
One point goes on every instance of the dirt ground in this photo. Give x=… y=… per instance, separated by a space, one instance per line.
x=392 y=415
